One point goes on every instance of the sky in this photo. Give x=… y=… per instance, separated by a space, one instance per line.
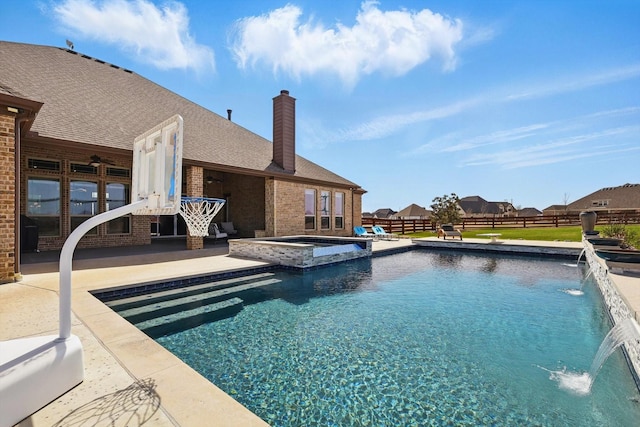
x=532 y=102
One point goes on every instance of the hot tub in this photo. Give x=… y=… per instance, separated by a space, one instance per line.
x=301 y=251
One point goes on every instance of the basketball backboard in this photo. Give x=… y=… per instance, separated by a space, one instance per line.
x=157 y=168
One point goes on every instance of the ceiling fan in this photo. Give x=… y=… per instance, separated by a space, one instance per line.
x=97 y=161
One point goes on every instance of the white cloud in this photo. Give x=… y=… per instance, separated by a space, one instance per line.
x=561 y=150
x=577 y=83
x=497 y=137
x=159 y=36
x=390 y=42
x=384 y=126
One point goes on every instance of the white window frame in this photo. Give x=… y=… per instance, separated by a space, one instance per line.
x=309 y=209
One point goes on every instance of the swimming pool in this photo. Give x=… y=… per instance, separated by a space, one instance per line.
x=418 y=338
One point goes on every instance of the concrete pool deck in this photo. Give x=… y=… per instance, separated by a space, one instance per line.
x=127 y=375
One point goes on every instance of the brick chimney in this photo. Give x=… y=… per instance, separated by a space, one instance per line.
x=284 y=131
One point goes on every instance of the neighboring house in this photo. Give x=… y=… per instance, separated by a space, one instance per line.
x=555 y=210
x=67 y=126
x=625 y=198
x=413 y=211
x=528 y=212
x=385 y=213
x=476 y=206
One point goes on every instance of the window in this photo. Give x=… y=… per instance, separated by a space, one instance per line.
x=325 y=210
x=43 y=205
x=83 y=203
x=117 y=196
x=118 y=172
x=309 y=209
x=84 y=168
x=339 y=210
x=600 y=203
x=46 y=165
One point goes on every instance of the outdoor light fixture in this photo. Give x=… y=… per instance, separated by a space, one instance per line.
x=211 y=179
x=97 y=161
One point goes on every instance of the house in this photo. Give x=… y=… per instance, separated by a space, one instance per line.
x=476 y=206
x=413 y=211
x=555 y=210
x=67 y=126
x=621 y=199
x=384 y=213
x=528 y=212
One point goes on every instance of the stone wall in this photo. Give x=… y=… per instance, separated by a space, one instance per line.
x=617 y=307
x=299 y=255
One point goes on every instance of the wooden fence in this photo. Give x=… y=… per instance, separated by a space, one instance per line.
x=404 y=226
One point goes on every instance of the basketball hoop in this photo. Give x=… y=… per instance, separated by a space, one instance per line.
x=198 y=212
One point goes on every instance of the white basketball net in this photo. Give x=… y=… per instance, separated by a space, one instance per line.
x=198 y=214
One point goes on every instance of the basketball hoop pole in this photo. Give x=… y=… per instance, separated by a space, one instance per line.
x=66 y=259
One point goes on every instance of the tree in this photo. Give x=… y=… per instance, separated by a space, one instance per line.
x=445 y=209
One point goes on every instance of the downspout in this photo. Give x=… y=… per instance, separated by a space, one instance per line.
x=16 y=234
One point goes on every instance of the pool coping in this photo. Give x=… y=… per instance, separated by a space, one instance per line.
x=110 y=341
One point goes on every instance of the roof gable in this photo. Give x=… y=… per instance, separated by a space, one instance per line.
x=625 y=196
x=413 y=210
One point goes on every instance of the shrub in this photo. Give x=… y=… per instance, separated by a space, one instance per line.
x=620 y=231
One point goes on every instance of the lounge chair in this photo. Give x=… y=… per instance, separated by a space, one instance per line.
x=361 y=232
x=379 y=231
x=448 y=230
x=214 y=231
x=228 y=228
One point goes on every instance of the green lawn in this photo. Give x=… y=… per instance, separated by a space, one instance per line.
x=571 y=234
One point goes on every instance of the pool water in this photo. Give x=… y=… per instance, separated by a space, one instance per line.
x=417 y=339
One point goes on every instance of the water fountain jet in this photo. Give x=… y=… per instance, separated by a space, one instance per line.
x=580 y=383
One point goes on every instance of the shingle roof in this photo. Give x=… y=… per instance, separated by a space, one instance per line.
x=89 y=101
x=383 y=213
x=625 y=196
x=529 y=212
x=478 y=205
x=556 y=208
x=414 y=210
x=475 y=204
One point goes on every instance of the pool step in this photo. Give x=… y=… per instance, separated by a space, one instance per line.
x=150 y=298
x=159 y=308
x=187 y=319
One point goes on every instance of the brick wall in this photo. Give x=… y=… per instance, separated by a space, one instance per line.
x=271 y=207
x=194 y=187
x=140 y=225
x=7 y=198
x=284 y=206
x=244 y=197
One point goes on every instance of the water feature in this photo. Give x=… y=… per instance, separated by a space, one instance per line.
x=581 y=255
x=573 y=291
x=302 y=251
x=581 y=383
x=411 y=339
